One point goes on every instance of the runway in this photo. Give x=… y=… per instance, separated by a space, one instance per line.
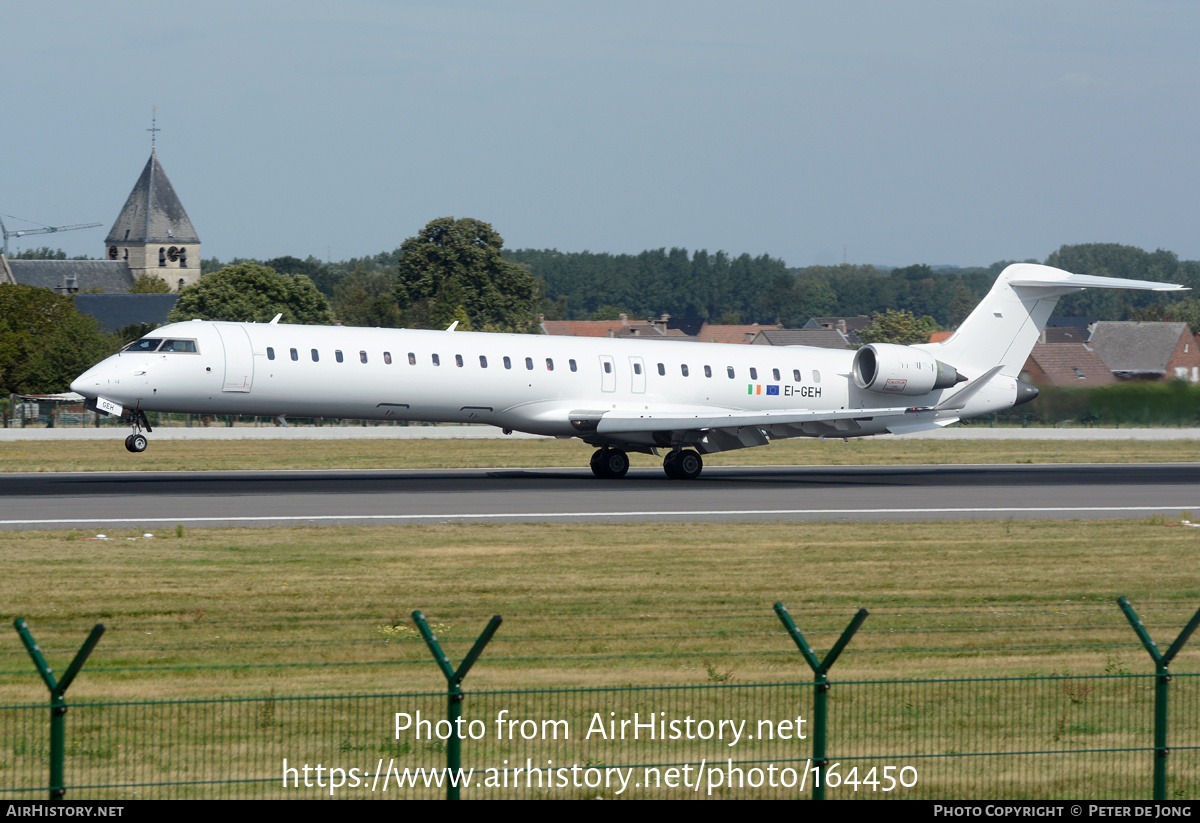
x=151 y=500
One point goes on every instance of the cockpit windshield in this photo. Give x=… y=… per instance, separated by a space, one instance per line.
x=149 y=344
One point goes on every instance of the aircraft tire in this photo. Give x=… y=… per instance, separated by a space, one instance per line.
x=688 y=465
x=671 y=465
x=136 y=443
x=597 y=463
x=615 y=464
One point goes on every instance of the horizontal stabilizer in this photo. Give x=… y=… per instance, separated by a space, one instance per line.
x=1089 y=281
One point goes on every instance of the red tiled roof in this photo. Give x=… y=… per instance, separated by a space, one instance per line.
x=716 y=333
x=1067 y=364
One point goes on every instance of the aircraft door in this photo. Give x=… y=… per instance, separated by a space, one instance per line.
x=637 y=372
x=239 y=358
x=608 y=373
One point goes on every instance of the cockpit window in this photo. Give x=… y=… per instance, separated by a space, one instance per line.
x=145 y=344
x=179 y=345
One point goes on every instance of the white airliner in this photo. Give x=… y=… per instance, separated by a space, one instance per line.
x=620 y=395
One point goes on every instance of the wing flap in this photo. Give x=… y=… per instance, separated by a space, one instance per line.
x=617 y=421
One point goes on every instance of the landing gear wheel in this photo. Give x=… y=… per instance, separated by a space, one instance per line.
x=683 y=465
x=671 y=465
x=689 y=465
x=136 y=443
x=610 y=464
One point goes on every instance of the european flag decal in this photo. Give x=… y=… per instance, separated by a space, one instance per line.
x=773 y=390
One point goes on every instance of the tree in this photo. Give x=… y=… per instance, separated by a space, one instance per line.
x=898 y=326
x=457 y=264
x=150 y=284
x=367 y=298
x=45 y=342
x=248 y=292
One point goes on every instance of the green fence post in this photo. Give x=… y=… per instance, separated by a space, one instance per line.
x=821 y=685
x=1162 y=678
x=58 y=695
x=454 y=679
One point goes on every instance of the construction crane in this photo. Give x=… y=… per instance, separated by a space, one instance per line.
x=44 y=230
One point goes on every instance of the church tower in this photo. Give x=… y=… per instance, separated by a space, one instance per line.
x=153 y=233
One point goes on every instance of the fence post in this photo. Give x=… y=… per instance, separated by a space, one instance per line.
x=1162 y=678
x=454 y=679
x=58 y=693
x=821 y=685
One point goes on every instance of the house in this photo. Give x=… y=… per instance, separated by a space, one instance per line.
x=819 y=338
x=728 y=333
x=621 y=327
x=1066 y=364
x=1136 y=350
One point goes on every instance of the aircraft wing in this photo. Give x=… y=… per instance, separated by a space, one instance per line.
x=648 y=420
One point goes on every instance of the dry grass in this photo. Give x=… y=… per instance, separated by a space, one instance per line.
x=183 y=455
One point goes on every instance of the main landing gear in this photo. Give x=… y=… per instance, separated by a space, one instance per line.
x=680 y=464
x=683 y=464
x=137 y=441
x=610 y=464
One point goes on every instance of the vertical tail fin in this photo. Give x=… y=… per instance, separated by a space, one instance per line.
x=1004 y=326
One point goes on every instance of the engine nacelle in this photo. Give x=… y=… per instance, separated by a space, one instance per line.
x=890 y=369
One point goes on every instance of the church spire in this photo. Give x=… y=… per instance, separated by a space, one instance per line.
x=153 y=233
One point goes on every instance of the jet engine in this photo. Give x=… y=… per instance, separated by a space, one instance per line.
x=892 y=369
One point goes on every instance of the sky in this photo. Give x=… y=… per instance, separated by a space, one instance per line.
x=865 y=131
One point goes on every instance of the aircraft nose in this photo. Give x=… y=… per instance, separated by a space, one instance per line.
x=85 y=383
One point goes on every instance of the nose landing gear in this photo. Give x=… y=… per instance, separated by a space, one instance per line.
x=137 y=441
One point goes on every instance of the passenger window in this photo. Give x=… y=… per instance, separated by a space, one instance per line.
x=458 y=360
x=387 y=357
x=573 y=366
x=816 y=376
x=295 y=354
x=729 y=371
x=337 y=355
x=270 y=352
x=708 y=371
x=607 y=367
x=507 y=362
x=683 y=370
x=775 y=372
x=796 y=375
x=637 y=368
x=437 y=361
x=362 y=357
x=753 y=373
x=662 y=370
x=529 y=363
x=549 y=364
x=316 y=357
x=412 y=358
x=483 y=361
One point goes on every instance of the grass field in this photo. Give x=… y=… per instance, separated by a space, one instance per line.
x=183 y=455
x=306 y=610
